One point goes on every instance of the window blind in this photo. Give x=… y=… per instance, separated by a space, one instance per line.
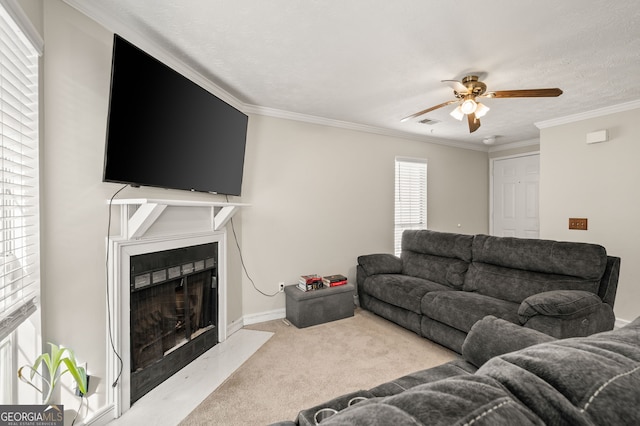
x=19 y=215
x=410 y=197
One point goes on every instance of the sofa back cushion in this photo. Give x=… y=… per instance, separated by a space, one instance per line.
x=515 y=268
x=591 y=380
x=436 y=256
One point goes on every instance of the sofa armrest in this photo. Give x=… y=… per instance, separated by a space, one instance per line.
x=382 y=263
x=566 y=313
x=566 y=304
x=493 y=336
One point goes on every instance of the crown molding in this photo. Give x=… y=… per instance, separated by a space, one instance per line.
x=588 y=114
x=312 y=119
x=514 y=145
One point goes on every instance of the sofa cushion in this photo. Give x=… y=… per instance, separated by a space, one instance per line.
x=401 y=290
x=460 y=309
x=515 y=285
x=463 y=400
x=587 y=261
x=440 y=257
x=457 y=367
x=444 y=244
x=442 y=270
x=584 y=380
x=481 y=343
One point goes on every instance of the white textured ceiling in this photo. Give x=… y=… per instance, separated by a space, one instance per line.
x=373 y=62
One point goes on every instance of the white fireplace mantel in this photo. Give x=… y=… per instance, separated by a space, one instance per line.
x=135 y=222
x=150 y=225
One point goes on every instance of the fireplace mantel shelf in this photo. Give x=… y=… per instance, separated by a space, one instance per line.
x=149 y=210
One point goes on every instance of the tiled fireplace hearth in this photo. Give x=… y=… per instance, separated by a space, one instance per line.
x=167 y=291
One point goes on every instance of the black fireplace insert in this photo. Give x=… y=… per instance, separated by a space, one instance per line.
x=174 y=312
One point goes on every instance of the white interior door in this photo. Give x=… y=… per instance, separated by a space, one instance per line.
x=515 y=193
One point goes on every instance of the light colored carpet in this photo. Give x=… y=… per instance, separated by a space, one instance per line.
x=300 y=368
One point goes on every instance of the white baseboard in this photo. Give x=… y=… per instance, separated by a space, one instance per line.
x=255 y=319
x=235 y=326
x=101 y=417
x=264 y=316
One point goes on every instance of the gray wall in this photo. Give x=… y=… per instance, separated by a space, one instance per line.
x=321 y=196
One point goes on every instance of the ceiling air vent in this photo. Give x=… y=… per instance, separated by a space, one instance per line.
x=429 y=122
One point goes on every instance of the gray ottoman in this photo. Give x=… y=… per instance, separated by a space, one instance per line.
x=307 y=308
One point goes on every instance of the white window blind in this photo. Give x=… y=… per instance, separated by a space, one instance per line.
x=19 y=216
x=410 y=197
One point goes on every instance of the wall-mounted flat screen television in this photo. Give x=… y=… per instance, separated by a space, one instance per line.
x=166 y=131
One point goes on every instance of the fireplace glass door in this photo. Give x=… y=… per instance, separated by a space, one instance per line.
x=173 y=312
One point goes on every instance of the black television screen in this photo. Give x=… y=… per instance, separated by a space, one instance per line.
x=165 y=130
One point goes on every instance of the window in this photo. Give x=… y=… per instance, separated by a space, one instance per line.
x=410 y=197
x=19 y=187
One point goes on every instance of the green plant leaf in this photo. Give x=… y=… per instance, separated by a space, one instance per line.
x=42 y=358
x=56 y=356
x=78 y=373
x=54 y=364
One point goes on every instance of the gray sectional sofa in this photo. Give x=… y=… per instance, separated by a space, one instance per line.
x=443 y=283
x=524 y=377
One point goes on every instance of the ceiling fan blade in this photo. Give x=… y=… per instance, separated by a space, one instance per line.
x=424 y=111
x=457 y=86
x=529 y=93
x=474 y=122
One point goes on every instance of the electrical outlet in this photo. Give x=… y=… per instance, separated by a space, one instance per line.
x=280 y=287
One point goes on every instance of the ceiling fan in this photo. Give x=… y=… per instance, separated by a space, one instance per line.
x=470 y=89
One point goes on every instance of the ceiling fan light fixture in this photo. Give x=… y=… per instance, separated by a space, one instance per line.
x=457 y=113
x=481 y=110
x=468 y=106
x=467 y=93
